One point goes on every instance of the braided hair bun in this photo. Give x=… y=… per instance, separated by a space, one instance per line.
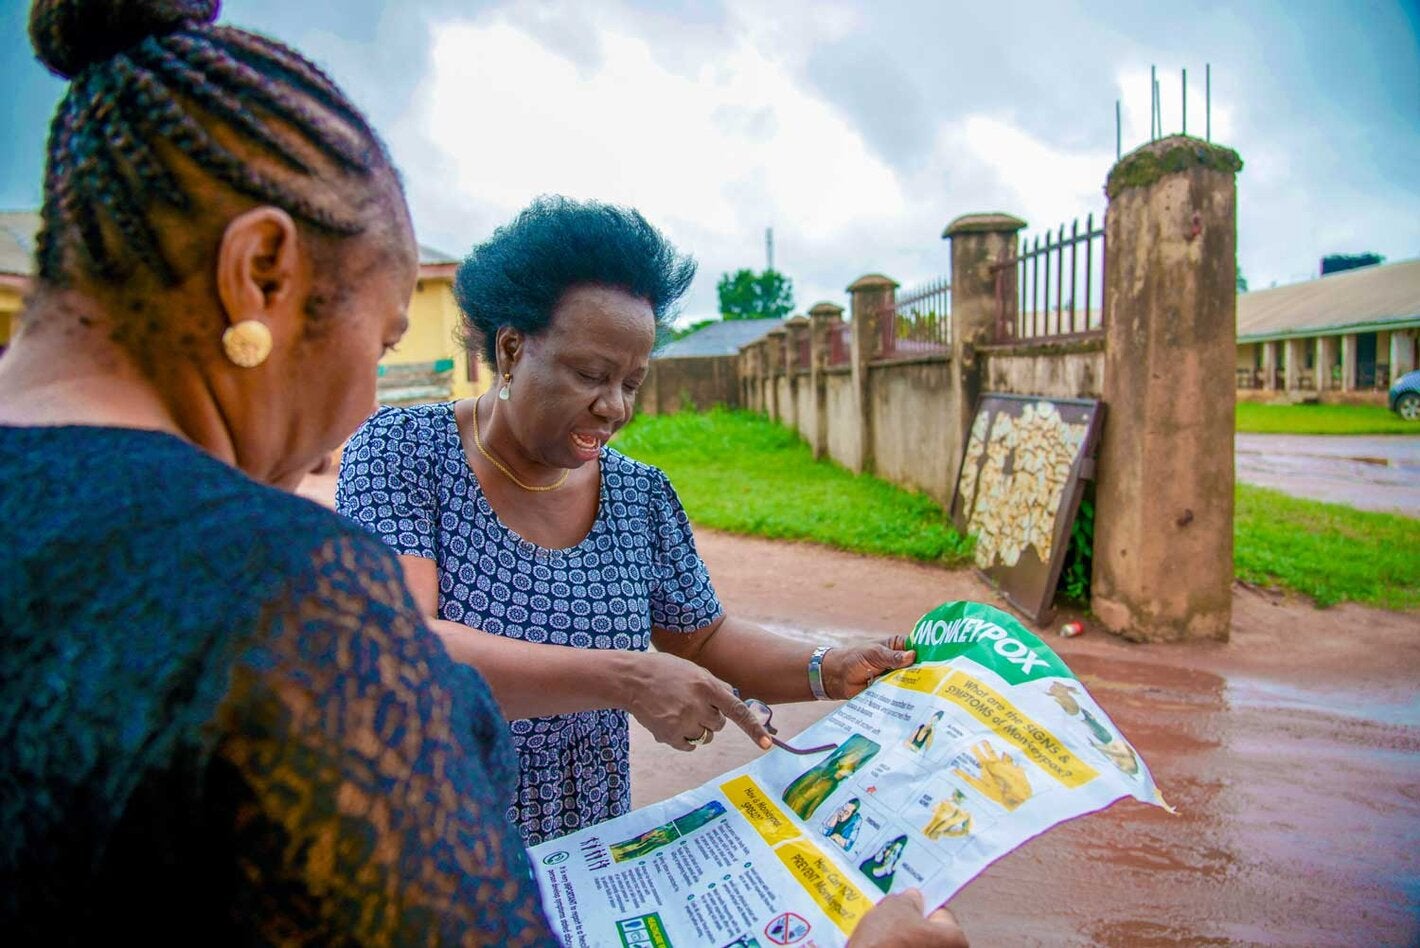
x=69 y=35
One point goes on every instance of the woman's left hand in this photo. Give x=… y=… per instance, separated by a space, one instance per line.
x=847 y=670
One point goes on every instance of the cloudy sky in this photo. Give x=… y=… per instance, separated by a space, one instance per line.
x=855 y=129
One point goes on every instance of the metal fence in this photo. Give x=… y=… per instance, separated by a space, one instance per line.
x=1058 y=284
x=918 y=323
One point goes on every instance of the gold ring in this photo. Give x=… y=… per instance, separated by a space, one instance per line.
x=705 y=735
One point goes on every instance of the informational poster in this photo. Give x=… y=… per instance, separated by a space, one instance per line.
x=919 y=782
x=1019 y=489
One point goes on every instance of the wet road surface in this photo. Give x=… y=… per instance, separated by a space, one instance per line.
x=1292 y=754
x=1370 y=472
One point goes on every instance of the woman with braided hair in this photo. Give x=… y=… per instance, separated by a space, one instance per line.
x=223 y=717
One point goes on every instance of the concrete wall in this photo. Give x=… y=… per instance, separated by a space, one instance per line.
x=903 y=419
x=1071 y=370
x=805 y=416
x=692 y=383
x=841 y=404
x=784 y=410
x=913 y=442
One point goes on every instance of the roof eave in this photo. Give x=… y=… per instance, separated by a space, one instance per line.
x=437 y=271
x=1388 y=325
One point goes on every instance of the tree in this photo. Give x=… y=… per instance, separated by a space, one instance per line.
x=750 y=295
x=1337 y=262
x=1242 y=281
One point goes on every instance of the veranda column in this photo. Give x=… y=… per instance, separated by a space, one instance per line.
x=1163 y=567
x=1402 y=352
x=1348 y=362
x=1295 y=361
x=1326 y=361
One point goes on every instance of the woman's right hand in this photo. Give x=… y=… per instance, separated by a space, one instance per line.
x=897 y=921
x=678 y=701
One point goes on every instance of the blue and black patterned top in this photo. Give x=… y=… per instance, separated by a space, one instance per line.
x=406 y=477
x=221 y=717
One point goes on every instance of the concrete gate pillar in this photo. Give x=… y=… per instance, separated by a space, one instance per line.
x=774 y=343
x=822 y=317
x=1163 y=568
x=867 y=295
x=979 y=243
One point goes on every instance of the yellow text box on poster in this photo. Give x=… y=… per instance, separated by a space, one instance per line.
x=842 y=901
x=755 y=805
x=1038 y=745
x=923 y=678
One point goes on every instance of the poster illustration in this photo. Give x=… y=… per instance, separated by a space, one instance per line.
x=923 y=780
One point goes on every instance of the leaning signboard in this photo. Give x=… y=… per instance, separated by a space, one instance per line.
x=1019 y=489
x=921 y=781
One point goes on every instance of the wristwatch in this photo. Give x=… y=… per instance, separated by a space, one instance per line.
x=816 y=673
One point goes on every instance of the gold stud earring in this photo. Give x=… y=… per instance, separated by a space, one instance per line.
x=503 y=392
x=247 y=343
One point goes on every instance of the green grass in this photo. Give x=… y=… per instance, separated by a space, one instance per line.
x=737 y=472
x=1257 y=418
x=1330 y=552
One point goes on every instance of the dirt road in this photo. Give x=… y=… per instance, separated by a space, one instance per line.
x=1292 y=755
x=1371 y=472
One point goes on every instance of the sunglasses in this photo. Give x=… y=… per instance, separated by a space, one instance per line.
x=766 y=718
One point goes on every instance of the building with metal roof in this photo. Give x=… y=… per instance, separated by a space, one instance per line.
x=722 y=338
x=1352 y=331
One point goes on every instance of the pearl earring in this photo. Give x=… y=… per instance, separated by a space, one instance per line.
x=503 y=392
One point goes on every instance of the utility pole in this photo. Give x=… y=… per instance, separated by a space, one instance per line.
x=769 y=248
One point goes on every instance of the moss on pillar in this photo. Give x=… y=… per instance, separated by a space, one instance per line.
x=1147 y=165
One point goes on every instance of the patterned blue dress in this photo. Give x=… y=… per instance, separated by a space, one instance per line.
x=222 y=719
x=405 y=476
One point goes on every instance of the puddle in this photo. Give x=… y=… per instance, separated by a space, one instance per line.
x=1259 y=693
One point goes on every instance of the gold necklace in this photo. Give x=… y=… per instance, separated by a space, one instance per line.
x=478 y=443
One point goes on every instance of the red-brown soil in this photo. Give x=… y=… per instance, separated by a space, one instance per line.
x=1292 y=754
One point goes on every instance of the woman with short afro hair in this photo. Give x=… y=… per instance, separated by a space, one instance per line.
x=552 y=562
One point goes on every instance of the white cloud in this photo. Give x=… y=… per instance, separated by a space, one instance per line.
x=714 y=150
x=712 y=154
x=1047 y=186
x=714 y=129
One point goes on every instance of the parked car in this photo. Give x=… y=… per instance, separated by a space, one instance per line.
x=1405 y=396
